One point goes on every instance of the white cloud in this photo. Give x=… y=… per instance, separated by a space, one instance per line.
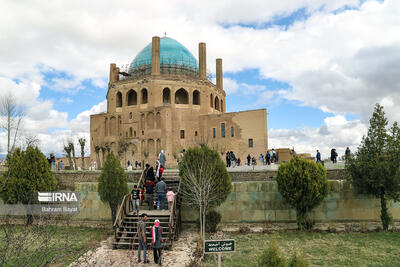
x=336 y=132
x=339 y=62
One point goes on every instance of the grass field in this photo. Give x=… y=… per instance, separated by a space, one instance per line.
x=320 y=249
x=32 y=244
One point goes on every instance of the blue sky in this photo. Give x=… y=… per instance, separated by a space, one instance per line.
x=318 y=66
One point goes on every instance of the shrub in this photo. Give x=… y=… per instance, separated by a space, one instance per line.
x=213 y=218
x=28 y=173
x=297 y=261
x=271 y=257
x=303 y=185
x=113 y=183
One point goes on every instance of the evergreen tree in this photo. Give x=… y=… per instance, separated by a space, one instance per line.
x=303 y=185
x=375 y=168
x=28 y=173
x=113 y=183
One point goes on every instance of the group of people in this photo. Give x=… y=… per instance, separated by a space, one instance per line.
x=270 y=157
x=231 y=160
x=334 y=155
x=153 y=183
x=156 y=240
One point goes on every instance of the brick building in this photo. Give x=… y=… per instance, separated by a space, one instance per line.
x=165 y=100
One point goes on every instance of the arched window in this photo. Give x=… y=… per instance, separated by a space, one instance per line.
x=196 y=97
x=166 y=96
x=144 y=96
x=132 y=97
x=222 y=105
x=118 y=101
x=130 y=132
x=216 y=103
x=181 y=97
x=211 y=101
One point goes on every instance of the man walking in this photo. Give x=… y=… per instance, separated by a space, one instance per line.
x=248 y=159
x=135 y=199
x=161 y=190
x=141 y=227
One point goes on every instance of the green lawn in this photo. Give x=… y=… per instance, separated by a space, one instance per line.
x=320 y=249
x=32 y=244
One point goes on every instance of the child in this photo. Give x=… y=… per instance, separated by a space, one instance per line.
x=135 y=199
x=170 y=198
x=141 y=195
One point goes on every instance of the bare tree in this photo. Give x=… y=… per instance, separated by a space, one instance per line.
x=67 y=150
x=72 y=147
x=82 y=142
x=11 y=114
x=205 y=181
x=31 y=141
x=97 y=151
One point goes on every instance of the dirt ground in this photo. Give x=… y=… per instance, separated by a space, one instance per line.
x=180 y=255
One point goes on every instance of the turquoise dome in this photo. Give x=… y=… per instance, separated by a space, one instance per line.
x=171 y=52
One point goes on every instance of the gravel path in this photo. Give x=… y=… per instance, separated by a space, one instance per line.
x=105 y=256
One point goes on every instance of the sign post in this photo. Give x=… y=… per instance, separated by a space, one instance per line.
x=219 y=246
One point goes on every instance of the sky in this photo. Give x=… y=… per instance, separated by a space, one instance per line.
x=317 y=66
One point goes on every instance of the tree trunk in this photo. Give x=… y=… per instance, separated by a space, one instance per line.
x=113 y=208
x=83 y=157
x=385 y=216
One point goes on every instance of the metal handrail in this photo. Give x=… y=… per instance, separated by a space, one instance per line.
x=173 y=211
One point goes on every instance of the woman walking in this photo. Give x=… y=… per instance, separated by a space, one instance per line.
x=157 y=241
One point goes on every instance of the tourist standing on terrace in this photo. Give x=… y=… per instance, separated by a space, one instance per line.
x=162 y=159
x=141 y=228
x=318 y=156
x=268 y=158
x=261 y=158
x=248 y=159
x=228 y=159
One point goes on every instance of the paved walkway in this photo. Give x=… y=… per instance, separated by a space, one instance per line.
x=106 y=256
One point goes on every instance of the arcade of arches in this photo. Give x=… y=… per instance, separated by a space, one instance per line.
x=171 y=110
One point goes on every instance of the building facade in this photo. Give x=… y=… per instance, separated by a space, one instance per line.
x=164 y=100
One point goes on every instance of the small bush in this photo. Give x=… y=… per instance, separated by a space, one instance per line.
x=244 y=229
x=213 y=218
x=271 y=257
x=298 y=261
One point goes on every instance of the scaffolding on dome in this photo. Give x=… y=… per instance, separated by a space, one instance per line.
x=171 y=66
